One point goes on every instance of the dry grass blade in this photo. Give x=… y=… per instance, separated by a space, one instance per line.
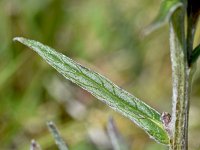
x=58 y=139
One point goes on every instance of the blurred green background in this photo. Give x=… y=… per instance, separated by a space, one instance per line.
x=105 y=35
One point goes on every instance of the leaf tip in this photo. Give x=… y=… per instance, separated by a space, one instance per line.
x=50 y=123
x=19 y=39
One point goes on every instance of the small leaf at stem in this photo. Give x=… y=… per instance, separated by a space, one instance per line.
x=128 y=105
x=167 y=8
x=166 y=120
x=195 y=55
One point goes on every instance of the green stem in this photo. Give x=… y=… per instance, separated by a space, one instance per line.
x=183 y=69
x=180 y=79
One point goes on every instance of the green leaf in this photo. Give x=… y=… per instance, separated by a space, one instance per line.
x=167 y=8
x=128 y=105
x=195 y=54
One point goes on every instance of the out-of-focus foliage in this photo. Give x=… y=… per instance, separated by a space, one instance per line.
x=57 y=137
x=167 y=8
x=104 y=35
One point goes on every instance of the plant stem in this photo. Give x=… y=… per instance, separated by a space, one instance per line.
x=180 y=73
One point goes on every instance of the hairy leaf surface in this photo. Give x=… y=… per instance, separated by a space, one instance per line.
x=103 y=89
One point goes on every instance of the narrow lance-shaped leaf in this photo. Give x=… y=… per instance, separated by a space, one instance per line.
x=128 y=105
x=167 y=8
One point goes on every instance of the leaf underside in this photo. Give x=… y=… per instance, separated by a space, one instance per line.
x=103 y=89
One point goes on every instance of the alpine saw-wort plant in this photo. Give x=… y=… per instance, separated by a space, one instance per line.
x=170 y=130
